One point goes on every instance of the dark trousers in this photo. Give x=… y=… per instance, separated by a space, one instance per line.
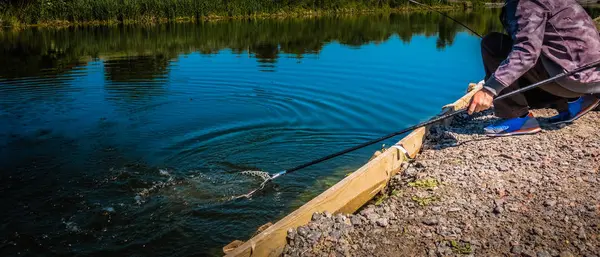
x=495 y=47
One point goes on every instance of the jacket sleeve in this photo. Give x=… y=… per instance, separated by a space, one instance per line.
x=527 y=30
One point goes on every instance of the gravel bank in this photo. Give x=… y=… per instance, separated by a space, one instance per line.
x=467 y=194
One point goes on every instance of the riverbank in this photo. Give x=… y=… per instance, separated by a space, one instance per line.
x=60 y=13
x=467 y=194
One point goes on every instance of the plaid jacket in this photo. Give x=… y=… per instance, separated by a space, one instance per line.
x=560 y=30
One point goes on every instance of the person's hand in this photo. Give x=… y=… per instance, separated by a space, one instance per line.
x=482 y=100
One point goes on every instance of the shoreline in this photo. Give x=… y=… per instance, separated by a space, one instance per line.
x=466 y=194
x=153 y=20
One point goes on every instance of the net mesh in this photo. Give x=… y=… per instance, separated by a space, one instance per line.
x=257 y=173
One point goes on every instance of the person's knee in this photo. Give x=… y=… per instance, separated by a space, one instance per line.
x=493 y=43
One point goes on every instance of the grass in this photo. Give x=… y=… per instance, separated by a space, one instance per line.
x=428 y=184
x=424 y=201
x=381 y=198
x=51 y=12
x=461 y=248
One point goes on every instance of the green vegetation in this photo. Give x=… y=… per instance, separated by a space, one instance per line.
x=381 y=198
x=424 y=201
x=429 y=183
x=19 y=12
x=461 y=247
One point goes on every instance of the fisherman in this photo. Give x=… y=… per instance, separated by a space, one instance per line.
x=545 y=38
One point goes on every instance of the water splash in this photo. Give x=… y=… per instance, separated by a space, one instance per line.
x=140 y=197
x=265 y=176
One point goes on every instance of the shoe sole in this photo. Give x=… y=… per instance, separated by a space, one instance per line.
x=517 y=133
x=581 y=113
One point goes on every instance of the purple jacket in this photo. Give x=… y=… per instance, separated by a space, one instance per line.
x=560 y=31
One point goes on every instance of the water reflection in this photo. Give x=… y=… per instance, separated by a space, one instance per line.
x=48 y=52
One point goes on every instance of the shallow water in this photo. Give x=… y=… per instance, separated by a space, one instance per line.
x=129 y=140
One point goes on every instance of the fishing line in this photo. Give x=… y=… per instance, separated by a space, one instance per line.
x=269 y=178
x=445 y=15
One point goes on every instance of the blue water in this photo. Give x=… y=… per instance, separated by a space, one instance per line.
x=86 y=129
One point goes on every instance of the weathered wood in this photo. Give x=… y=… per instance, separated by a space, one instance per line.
x=232 y=246
x=413 y=142
x=346 y=196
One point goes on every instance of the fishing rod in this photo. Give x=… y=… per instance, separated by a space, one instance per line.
x=445 y=15
x=270 y=178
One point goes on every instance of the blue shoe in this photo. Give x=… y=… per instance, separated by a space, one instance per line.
x=577 y=109
x=512 y=127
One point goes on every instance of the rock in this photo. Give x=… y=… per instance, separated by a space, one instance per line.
x=340 y=218
x=383 y=222
x=517 y=249
x=302 y=231
x=498 y=210
x=454 y=209
x=373 y=218
x=528 y=253
x=543 y=254
x=566 y=254
x=581 y=235
x=336 y=234
x=538 y=231
x=431 y=221
x=550 y=203
x=314 y=237
x=291 y=234
x=356 y=220
x=316 y=216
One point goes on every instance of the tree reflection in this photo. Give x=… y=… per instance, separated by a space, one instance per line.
x=135 y=53
x=136 y=78
x=136 y=68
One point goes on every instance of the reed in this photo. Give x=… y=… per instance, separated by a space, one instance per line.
x=20 y=12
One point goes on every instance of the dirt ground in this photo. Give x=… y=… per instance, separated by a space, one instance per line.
x=470 y=195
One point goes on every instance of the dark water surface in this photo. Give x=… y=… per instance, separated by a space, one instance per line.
x=127 y=140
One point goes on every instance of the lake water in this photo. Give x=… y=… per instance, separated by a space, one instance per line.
x=128 y=140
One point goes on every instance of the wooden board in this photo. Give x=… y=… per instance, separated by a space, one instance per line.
x=346 y=196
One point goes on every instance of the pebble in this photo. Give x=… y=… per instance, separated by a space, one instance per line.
x=566 y=254
x=383 y=222
x=498 y=210
x=538 y=203
x=517 y=249
x=316 y=216
x=543 y=254
x=356 y=220
x=431 y=221
x=315 y=236
x=335 y=234
x=550 y=203
x=291 y=234
x=581 y=234
x=373 y=218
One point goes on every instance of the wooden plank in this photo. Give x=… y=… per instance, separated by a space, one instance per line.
x=346 y=196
